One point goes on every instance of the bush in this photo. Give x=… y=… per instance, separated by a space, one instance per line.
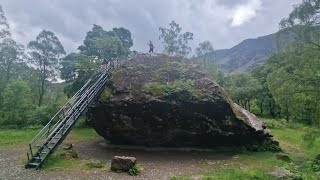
x=43 y=114
x=180 y=89
x=105 y=95
x=264 y=146
x=135 y=170
x=275 y=123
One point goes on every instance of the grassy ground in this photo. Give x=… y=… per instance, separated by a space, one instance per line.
x=245 y=165
x=257 y=165
x=19 y=138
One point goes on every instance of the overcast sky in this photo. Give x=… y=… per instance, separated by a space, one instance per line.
x=225 y=23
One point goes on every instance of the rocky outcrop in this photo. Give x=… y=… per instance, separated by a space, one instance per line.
x=161 y=100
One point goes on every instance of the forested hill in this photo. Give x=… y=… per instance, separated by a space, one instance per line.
x=246 y=55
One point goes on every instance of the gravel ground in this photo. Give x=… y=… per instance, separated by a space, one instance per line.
x=157 y=163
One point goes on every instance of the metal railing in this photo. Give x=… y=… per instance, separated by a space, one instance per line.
x=65 y=118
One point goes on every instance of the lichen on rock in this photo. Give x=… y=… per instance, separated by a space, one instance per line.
x=161 y=100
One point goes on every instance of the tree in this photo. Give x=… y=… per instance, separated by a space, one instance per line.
x=203 y=50
x=10 y=56
x=304 y=21
x=45 y=53
x=265 y=99
x=299 y=76
x=99 y=47
x=4 y=25
x=17 y=102
x=107 y=45
x=76 y=70
x=174 y=41
x=243 y=88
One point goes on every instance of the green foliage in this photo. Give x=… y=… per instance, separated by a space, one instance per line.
x=43 y=114
x=174 y=41
x=76 y=70
x=16 y=102
x=107 y=45
x=4 y=25
x=298 y=95
x=203 y=51
x=275 y=123
x=264 y=146
x=94 y=164
x=82 y=122
x=304 y=21
x=217 y=74
x=99 y=47
x=315 y=165
x=46 y=52
x=135 y=170
x=243 y=174
x=179 y=89
x=311 y=136
x=295 y=170
x=243 y=88
x=105 y=95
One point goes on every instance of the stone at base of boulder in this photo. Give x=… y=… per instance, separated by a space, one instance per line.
x=122 y=163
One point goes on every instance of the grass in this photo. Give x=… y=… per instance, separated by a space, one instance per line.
x=94 y=164
x=256 y=165
x=16 y=137
x=19 y=138
x=56 y=162
x=245 y=165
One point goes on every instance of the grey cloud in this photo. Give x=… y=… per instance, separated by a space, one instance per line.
x=207 y=19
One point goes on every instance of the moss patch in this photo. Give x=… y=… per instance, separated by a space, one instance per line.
x=177 y=90
x=106 y=95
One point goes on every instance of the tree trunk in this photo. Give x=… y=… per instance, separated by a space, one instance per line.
x=42 y=84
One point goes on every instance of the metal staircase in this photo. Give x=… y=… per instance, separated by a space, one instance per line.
x=53 y=134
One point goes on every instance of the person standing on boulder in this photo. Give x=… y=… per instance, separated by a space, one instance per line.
x=150 y=46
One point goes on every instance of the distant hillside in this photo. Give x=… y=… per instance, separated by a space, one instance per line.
x=248 y=54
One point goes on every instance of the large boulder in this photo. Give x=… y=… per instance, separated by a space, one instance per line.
x=161 y=100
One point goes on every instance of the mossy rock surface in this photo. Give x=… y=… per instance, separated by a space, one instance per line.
x=161 y=100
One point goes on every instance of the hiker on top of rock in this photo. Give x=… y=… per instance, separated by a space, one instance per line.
x=150 y=46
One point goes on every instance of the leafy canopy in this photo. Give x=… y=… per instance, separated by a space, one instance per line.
x=175 y=42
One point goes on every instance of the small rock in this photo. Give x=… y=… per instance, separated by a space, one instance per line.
x=67 y=146
x=69 y=154
x=283 y=157
x=281 y=174
x=318 y=157
x=122 y=163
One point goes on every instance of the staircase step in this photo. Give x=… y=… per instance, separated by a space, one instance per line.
x=71 y=113
x=33 y=164
x=37 y=157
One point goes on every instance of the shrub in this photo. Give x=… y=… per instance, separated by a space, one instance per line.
x=105 y=95
x=135 y=170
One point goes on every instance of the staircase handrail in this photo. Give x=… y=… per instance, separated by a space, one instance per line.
x=48 y=129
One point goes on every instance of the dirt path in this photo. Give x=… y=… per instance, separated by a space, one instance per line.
x=157 y=163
